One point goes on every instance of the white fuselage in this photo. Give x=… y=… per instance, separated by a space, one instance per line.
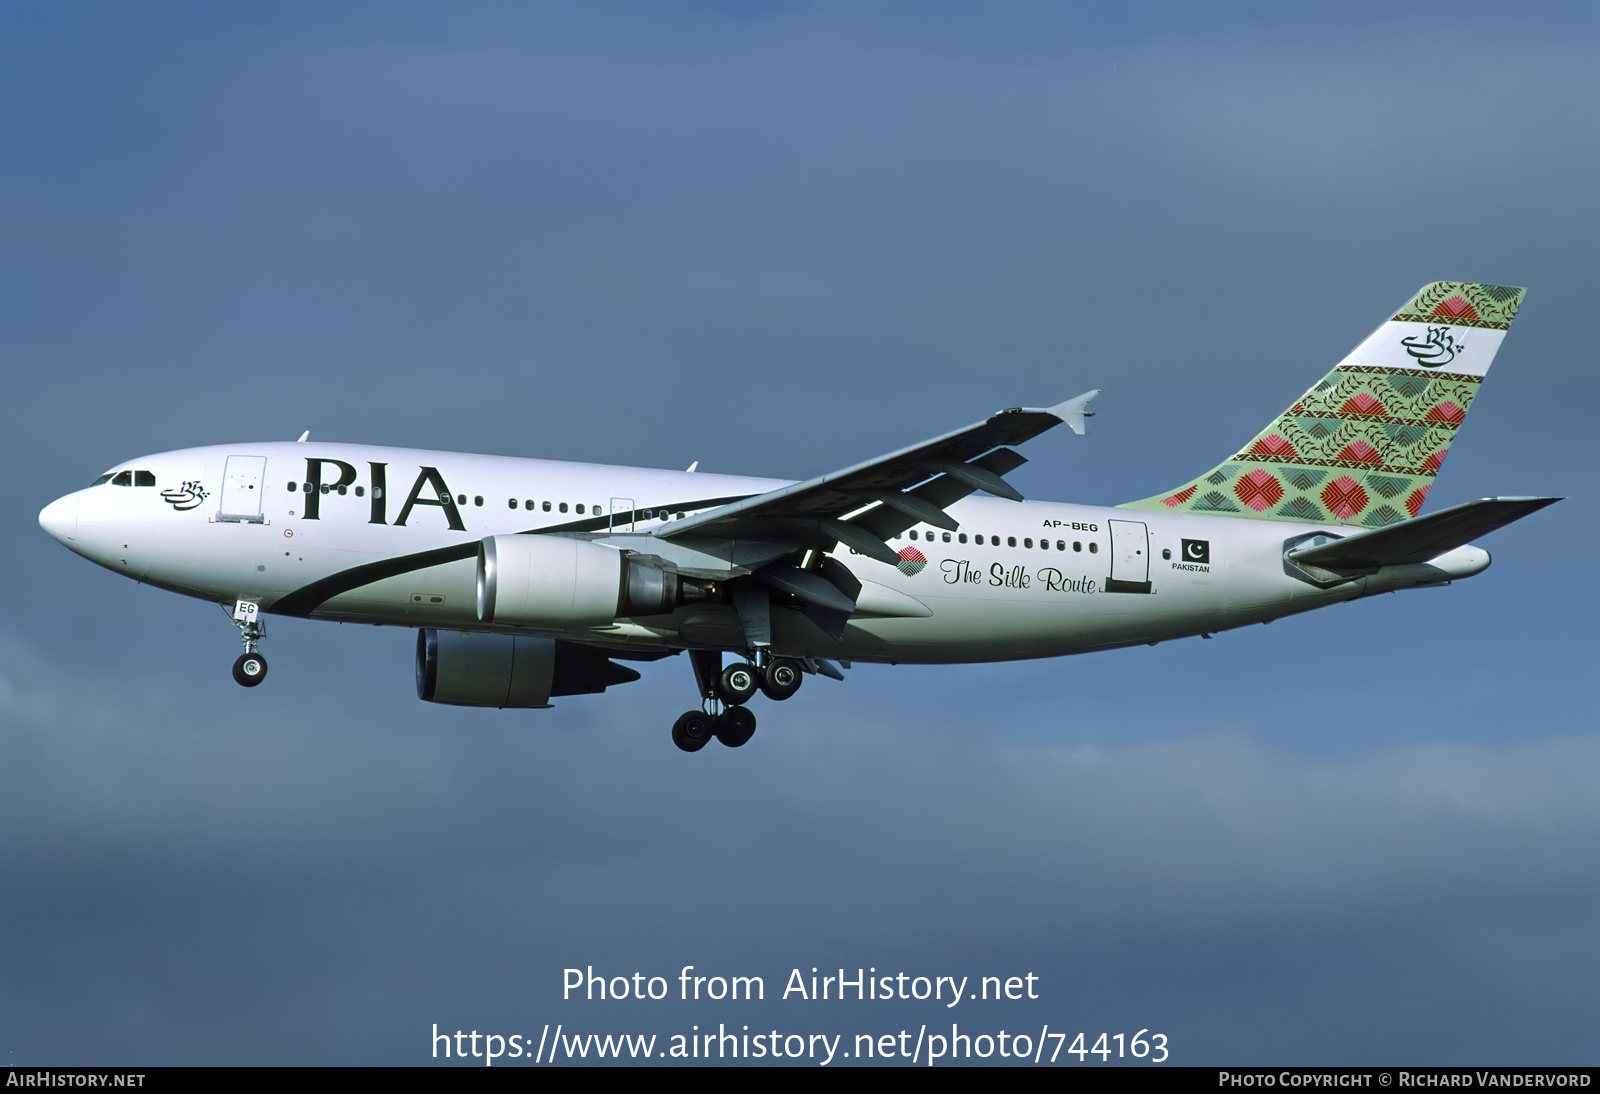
x=236 y=522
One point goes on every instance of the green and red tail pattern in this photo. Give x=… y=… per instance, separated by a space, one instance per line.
x=1363 y=446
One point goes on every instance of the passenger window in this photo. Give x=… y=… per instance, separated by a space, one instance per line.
x=1077 y=545
x=361 y=491
x=511 y=503
x=1011 y=541
x=1061 y=545
x=478 y=501
x=1166 y=553
x=461 y=499
x=292 y=487
x=947 y=537
x=580 y=508
x=124 y=478
x=1027 y=543
x=546 y=507
x=962 y=537
x=1094 y=548
x=912 y=533
x=528 y=505
x=563 y=506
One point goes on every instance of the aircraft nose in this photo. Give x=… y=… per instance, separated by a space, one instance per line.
x=60 y=518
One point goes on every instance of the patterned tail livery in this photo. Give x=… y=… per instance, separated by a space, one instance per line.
x=1363 y=446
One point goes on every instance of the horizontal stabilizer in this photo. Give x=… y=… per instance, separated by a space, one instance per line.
x=1421 y=538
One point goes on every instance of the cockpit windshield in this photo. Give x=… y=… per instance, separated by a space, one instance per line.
x=127 y=478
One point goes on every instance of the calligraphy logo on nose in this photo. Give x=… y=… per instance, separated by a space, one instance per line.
x=1197 y=550
x=1439 y=348
x=185 y=497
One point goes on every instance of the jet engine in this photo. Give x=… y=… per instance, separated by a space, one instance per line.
x=558 y=582
x=502 y=670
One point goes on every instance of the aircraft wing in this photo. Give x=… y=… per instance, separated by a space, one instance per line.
x=1420 y=538
x=864 y=505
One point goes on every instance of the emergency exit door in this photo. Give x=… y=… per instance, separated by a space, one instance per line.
x=1130 y=557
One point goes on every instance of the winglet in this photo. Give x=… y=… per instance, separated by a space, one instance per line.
x=1073 y=411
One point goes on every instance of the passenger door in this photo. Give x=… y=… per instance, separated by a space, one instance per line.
x=241 y=489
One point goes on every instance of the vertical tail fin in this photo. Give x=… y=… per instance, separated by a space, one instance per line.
x=1362 y=447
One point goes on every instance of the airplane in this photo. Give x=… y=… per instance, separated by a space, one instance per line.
x=531 y=579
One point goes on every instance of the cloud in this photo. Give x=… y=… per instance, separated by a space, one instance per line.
x=473 y=855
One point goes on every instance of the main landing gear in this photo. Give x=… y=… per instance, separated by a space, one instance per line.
x=251 y=667
x=724 y=693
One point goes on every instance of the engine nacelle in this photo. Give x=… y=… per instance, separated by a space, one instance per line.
x=471 y=669
x=556 y=582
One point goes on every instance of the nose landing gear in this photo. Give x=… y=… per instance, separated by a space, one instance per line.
x=251 y=667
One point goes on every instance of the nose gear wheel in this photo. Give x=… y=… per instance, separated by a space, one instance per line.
x=250 y=669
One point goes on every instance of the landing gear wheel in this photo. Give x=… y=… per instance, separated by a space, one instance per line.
x=781 y=679
x=693 y=731
x=738 y=683
x=250 y=669
x=736 y=726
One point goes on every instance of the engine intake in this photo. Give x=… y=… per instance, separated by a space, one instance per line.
x=500 y=670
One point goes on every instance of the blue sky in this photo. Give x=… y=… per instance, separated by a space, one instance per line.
x=778 y=239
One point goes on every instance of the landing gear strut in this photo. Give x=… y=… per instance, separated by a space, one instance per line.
x=251 y=668
x=723 y=693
